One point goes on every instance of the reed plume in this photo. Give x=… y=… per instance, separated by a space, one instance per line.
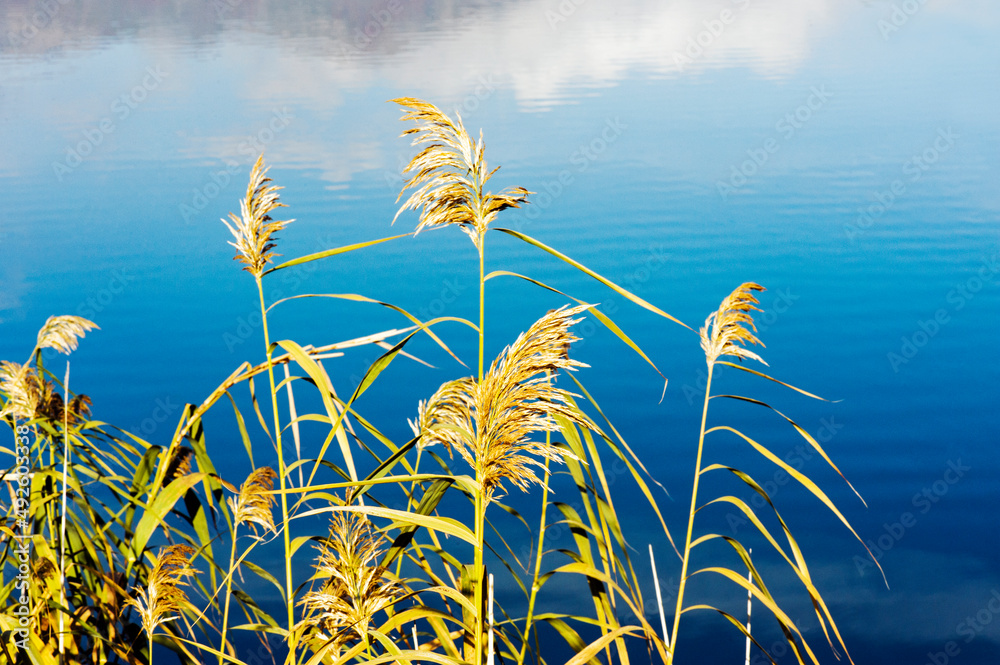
x=162 y=599
x=726 y=329
x=63 y=332
x=253 y=504
x=354 y=589
x=254 y=229
x=179 y=464
x=22 y=388
x=450 y=174
x=491 y=422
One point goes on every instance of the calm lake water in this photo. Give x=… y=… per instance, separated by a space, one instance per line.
x=846 y=155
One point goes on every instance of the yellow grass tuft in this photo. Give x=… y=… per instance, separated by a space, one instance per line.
x=254 y=229
x=491 y=422
x=22 y=389
x=253 y=504
x=355 y=589
x=725 y=330
x=450 y=174
x=62 y=333
x=162 y=599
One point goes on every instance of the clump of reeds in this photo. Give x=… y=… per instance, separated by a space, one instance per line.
x=162 y=598
x=354 y=587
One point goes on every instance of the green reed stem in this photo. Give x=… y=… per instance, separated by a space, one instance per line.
x=229 y=588
x=477 y=579
x=289 y=601
x=690 y=528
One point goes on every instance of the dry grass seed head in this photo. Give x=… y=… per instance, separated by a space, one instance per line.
x=450 y=174
x=355 y=589
x=728 y=329
x=22 y=388
x=254 y=229
x=253 y=504
x=446 y=417
x=161 y=600
x=179 y=464
x=491 y=423
x=63 y=332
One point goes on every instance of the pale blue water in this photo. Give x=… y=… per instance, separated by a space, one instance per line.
x=755 y=161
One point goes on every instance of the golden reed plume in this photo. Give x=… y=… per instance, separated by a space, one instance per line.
x=450 y=174
x=355 y=589
x=491 y=422
x=253 y=504
x=254 y=229
x=724 y=331
x=162 y=599
x=62 y=332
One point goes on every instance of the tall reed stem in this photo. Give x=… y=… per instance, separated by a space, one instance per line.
x=289 y=601
x=538 y=564
x=480 y=499
x=690 y=528
x=229 y=588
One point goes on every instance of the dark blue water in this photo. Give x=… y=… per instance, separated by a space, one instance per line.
x=844 y=155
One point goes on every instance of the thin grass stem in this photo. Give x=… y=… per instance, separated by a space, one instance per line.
x=538 y=562
x=690 y=527
x=282 y=473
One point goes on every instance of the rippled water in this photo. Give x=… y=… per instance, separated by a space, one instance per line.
x=845 y=155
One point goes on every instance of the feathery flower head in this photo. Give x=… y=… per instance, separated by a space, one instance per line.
x=62 y=332
x=253 y=504
x=22 y=388
x=162 y=599
x=491 y=422
x=254 y=228
x=725 y=330
x=355 y=588
x=449 y=175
